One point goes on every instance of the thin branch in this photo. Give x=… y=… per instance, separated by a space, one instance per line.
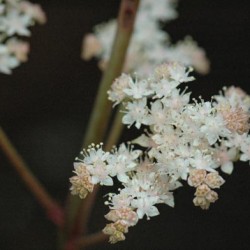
x=115 y=130
x=102 y=108
x=54 y=211
x=85 y=211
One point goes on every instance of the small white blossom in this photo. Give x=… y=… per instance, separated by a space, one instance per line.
x=100 y=173
x=164 y=88
x=225 y=157
x=116 y=93
x=122 y=161
x=16 y=23
x=179 y=73
x=138 y=89
x=213 y=128
x=136 y=112
x=145 y=206
x=177 y=100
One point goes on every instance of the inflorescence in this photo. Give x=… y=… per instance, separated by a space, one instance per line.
x=183 y=140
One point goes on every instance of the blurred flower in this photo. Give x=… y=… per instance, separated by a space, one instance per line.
x=149 y=45
x=16 y=17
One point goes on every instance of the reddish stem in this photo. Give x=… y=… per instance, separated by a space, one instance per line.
x=54 y=211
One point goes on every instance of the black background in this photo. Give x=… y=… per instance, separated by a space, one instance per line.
x=46 y=103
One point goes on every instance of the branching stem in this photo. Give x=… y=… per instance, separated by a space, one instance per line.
x=100 y=115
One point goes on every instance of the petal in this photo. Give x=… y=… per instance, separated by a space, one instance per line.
x=227 y=167
x=153 y=211
x=142 y=140
x=123 y=178
x=107 y=182
x=140 y=213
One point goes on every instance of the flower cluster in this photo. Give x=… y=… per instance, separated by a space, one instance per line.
x=16 y=16
x=185 y=140
x=150 y=45
x=204 y=183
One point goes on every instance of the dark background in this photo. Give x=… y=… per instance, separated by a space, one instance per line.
x=46 y=103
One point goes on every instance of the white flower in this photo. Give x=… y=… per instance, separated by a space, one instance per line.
x=138 y=89
x=129 y=153
x=100 y=173
x=166 y=138
x=202 y=161
x=121 y=162
x=17 y=23
x=144 y=141
x=164 y=87
x=225 y=157
x=213 y=128
x=94 y=154
x=119 y=201
x=235 y=140
x=116 y=93
x=158 y=115
x=177 y=169
x=95 y=161
x=176 y=101
x=145 y=206
x=136 y=112
x=179 y=73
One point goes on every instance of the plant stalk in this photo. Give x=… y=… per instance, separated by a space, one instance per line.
x=54 y=211
x=100 y=115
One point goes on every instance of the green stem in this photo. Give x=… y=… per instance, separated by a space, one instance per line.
x=115 y=130
x=54 y=211
x=102 y=108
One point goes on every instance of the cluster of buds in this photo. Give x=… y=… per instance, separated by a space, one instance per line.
x=147 y=49
x=81 y=183
x=204 y=183
x=122 y=219
x=16 y=16
x=237 y=119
